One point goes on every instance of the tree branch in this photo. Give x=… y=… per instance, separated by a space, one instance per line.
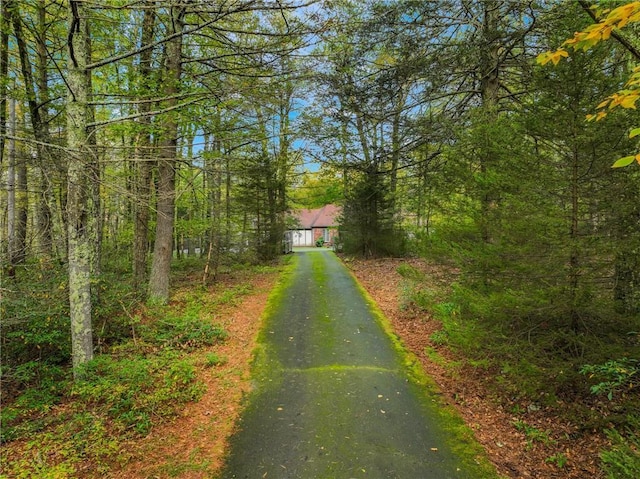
x=140 y=115
x=615 y=34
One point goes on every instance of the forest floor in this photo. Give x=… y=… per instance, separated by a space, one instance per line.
x=194 y=445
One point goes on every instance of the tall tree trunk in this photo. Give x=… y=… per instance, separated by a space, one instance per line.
x=213 y=182
x=574 y=255
x=284 y=144
x=22 y=207
x=94 y=170
x=4 y=73
x=37 y=114
x=43 y=209
x=80 y=242
x=395 y=149
x=489 y=91
x=227 y=199
x=142 y=164
x=43 y=215
x=11 y=188
x=167 y=164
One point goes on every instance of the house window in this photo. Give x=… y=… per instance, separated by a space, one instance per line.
x=325 y=235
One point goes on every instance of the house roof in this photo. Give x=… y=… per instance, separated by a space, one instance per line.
x=324 y=217
x=328 y=216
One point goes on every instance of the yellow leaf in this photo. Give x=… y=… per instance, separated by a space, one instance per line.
x=553 y=57
x=629 y=101
x=604 y=103
x=543 y=58
x=615 y=100
x=601 y=115
x=594 y=32
x=621 y=14
x=590 y=117
x=588 y=43
x=562 y=53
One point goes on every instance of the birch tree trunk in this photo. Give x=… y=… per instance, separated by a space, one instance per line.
x=80 y=242
x=167 y=164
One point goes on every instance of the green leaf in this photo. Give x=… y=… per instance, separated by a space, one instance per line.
x=635 y=132
x=626 y=161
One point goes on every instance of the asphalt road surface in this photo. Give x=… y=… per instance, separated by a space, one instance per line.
x=333 y=399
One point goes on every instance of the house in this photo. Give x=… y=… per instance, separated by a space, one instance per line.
x=315 y=224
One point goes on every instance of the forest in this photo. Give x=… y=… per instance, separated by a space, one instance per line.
x=150 y=149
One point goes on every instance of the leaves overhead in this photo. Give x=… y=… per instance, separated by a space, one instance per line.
x=609 y=22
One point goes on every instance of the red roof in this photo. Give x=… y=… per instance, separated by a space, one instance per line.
x=324 y=217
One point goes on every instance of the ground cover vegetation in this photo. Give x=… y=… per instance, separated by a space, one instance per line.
x=139 y=138
x=150 y=362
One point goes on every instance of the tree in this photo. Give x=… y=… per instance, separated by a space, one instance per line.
x=37 y=103
x=315 y=189
x=80 y=156
x=112 y=135
x=365 y=98
x=142 y=164
x=4 y=77
x=608 y=23
x=167 y=163
x=545 y=266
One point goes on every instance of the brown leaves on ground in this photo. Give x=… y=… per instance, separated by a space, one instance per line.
x=562 y=449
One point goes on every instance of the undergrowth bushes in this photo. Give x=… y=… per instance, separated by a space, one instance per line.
x=145 y=371
x=131 y=392
x=622 y=459
x=537 y=356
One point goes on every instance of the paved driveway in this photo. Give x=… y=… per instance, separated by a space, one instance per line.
x=333 y=398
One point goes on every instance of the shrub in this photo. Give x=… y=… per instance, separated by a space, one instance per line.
x=409 y=272
x=183 y=332
x=212 y=360
x=35 y=320
x=614 y=376
x=132 y=391
x=622 y=461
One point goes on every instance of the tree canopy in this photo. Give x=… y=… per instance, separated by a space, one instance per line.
x=137 y=137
